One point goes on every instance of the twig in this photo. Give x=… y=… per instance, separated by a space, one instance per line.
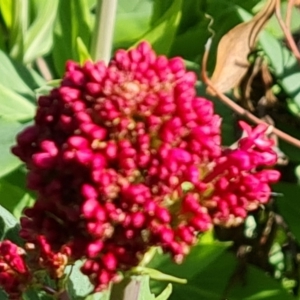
x=238 y=109
x=288 y=16
x=48 y=290
x=287 y=33
x=104 y=30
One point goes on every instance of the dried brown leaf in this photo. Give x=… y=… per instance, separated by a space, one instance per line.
x=246 y=83
x=256 y=86
x=234 y=49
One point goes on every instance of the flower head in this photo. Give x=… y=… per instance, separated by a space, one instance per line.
x=14 y=274
x=122 y=157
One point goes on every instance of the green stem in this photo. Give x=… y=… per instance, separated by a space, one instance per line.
x=104 y=30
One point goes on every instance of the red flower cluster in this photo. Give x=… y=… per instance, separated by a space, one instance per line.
x=14 y=274
x=237 y=185
x=126 y=156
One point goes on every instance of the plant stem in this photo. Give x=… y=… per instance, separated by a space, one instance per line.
x=285 y=28
x=104 y=30
x=44 y=69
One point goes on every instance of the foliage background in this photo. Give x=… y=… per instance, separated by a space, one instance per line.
x=258 y=260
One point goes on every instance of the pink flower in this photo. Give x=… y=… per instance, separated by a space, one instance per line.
x=238 y=186
x=126 y=156
x=14 y=274
x=255 y=137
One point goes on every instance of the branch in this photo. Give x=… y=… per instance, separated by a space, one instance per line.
x=285 y=28
x=288 y=16
x=238 y=109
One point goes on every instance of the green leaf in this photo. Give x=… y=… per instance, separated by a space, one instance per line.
x=9 y=227
x=206 y=283
x=159 y=9
x=204 y=259
x=16 y=77
x=285 y=66
x=165 y=294
x=132 y=21
x=161 y=36
x=73 y=20
x=3 y=295
x=135 y=287
x=279 y=56
x=8 y=132
x=83 y=7
x=14 y=198
x=288 y=149
x=38 y=38
x=205 y=253
x=33 y=294
x=46 y=88
x=82 y=51
x=214 y=274
x=184 y=44
x=288 y=205
x=273 y=26
x=193 y=27
x=78 y=284
x=105 y=295
x=6 y=7
x=258 y=286
x=20 y=10
x=15 y=107
x=157 y=275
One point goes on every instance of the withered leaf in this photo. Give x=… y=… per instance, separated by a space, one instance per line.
x=234 y=48
x=255 y=88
